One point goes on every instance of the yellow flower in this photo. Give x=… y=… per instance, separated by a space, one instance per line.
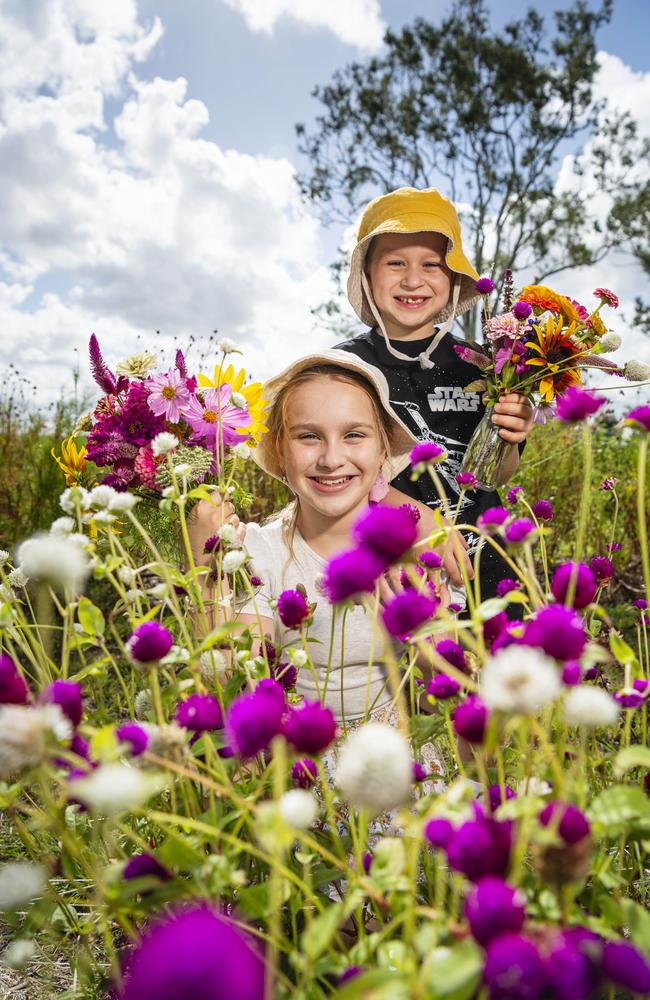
x=73 y=460
x=545 y=298
x=597 y=325
x=252 y=393
x=557 y=355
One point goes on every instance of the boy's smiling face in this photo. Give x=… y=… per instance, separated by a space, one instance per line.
x=409 y=281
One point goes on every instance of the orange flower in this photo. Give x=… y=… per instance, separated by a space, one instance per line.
x=557 y=355
x=541 y=297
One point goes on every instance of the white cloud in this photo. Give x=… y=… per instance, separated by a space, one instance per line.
x=137 y=224
x=355 y=22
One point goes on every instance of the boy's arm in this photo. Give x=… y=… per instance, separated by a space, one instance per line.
x=515 y=416
x=453 y=553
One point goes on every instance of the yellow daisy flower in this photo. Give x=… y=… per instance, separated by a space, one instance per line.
x=253 y=393
x=557 y=355
x=73 y=460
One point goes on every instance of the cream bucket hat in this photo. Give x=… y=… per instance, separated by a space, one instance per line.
x=409 y=210
x=402 y=441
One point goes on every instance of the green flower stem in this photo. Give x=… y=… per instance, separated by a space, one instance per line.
x=641 y=513
x=584 y=499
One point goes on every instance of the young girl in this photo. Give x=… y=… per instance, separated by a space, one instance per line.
x=409 y=280
x=332 y=434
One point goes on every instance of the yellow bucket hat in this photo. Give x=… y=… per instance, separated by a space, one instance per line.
x=409 y=210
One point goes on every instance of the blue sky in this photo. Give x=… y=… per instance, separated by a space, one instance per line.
x=148 y=156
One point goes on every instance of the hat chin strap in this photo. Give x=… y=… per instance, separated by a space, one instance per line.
x=424 y=357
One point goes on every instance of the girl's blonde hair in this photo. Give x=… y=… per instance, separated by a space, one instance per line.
x=277 y=419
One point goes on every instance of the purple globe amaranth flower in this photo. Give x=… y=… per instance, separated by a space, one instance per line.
x=626 y=966
x=512 y=495
x=256 y=581
x=310 y=728
x=480 y=847
x=507 y=586
x=484 y=286
x=614 y=547
x=196 y=953
x=211 y=544
x=351 y=573
x=543 y=510
x=442 y=687
x=412 y=511
x=149 y=643
x=67 y=695
x=646 y=782
x=293 y=608
x=141 y=865
x=304 y=772
x=286 y=674
x=558 y=631
x=602 y=569
x=200 y=713
x=387 y=532
x=514 y=969
x=80 y=746
x=578 y=404
x=572 y=673
x=351 y=972
x=510 y=635
x=366 y=861
x=426 y=453
x=267 y=650
x=522 y=310
x=453 y=653
x=522 y=529
x=407 y=611
x=642 y=685
x=639 y=418
x=438 y=832
x=592 y=673
x=471 y=718
x=609 y=483
x=430 y=560
x=640 y=603
x=493 y=908
x=629 y=698
x=571 y=824
x=255 y=719
x=13 y=687
x=135 y=736
x=467 y=479
x=578 y=576
x=493 y=517
x=494 y=626
x=572 y=965
x=497 y=796
x=420 y=772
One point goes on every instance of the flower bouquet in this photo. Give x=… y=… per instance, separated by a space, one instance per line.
x=538 y=346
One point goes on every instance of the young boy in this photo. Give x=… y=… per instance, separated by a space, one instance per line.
x=409 y=280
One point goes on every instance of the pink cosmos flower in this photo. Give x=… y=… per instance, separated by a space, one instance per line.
x=216 y=416
x=607 y=296
x=168 y=395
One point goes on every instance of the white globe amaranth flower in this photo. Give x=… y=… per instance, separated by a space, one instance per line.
x=636 y=371
x=159 y=591
x=242 y=451
x=17 y=954
x=237 y=399
x=74 y=499
x=182 y=468
x=122 y=502
x=233 y=561
x=590 y=706
x=519 y=680
x=20 y=882
x=62 y=526
x=26 y=732
x=112 y=789
x=213 y=662
x=610 y=342
x=104 y=517
x=4 y=557
x=18 y=578
x=137 y=366
x=168 y=740
x=164 y=443
x=228 y=535
x=126 y=575
x=55 y=560
x=298 y=808
x=374 y=769
x=143 y=704
x=133 y=594
x=298 y=657
x=533 y=786
x=227 y=346
x=101 y=496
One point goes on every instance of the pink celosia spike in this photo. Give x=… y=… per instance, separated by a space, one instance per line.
x=101 y=372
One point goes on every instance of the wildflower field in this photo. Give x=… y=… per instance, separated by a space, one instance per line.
x=176 y=823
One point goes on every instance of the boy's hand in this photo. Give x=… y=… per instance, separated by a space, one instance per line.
x=515 y=416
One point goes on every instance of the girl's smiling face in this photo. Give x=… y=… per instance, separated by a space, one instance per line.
x=409 y=281
x=332 y=448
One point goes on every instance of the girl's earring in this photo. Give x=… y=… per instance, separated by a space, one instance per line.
x=379 y=489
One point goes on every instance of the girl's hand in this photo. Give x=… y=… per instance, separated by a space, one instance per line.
x=206 y=520
x=515 y=416
x=390 y=585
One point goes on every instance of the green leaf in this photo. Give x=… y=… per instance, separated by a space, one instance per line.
x=637 y=919
x=635 y=756
x=90 y=617
x=180 y=853
x=255 y=900
x=380 y=984
x=453 y=972
x=321 y=930
x=617 y=808
x=620 y=649
x=491 y=607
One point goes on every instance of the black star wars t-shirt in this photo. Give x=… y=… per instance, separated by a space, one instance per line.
x=433 y=405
